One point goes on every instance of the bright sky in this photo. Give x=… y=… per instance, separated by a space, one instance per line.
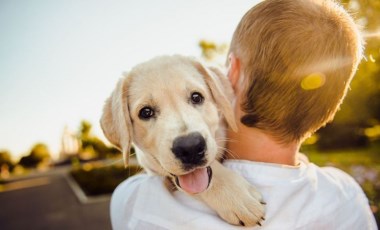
x=59 y=60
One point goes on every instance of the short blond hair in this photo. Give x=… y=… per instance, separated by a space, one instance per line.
x=298 y=58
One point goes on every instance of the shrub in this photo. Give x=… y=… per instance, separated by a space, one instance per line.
x=102 y=180
x=339 y=136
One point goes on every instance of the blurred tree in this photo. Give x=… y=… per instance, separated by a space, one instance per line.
x=38 y=154
x=92 y=146
x=5 y=159
x=213 y=52
x=361 y=104
x=85 y=129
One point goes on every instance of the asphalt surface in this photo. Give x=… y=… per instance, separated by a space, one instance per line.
x=48 y=202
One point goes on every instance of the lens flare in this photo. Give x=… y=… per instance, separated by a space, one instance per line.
x=371 y=34
x=313 y=81
x=371 y=58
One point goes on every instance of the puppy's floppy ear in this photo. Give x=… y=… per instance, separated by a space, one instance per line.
x=115 y=121
x=221 y=91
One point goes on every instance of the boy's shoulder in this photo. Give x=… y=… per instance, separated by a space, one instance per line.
x=331 y=177
x=308 y=196
x=314 y=197
x=341 y=201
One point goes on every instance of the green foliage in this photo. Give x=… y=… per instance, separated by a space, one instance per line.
x=85 y=129
x=92 y=145
x=102 y=180
x=212 y=51
x=38 y=154
x=361 y=104
x=341 y=136
x=361 y=107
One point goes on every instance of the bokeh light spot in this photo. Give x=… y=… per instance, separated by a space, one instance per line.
x=371 y=58
x=313 y=81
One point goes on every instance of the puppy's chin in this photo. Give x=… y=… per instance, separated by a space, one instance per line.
x=196 y=181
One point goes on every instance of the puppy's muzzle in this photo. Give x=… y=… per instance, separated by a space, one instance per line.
x=190 y=150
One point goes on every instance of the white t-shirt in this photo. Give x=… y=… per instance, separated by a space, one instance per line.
x=302 y=197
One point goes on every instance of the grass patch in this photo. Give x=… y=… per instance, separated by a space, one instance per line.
x=344 y=158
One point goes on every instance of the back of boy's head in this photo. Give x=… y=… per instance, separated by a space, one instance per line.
x=297 y=58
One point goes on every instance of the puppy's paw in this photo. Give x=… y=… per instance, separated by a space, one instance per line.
x=233 y=198
x=243 y=206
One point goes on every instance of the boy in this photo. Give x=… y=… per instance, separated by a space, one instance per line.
x=290 y=64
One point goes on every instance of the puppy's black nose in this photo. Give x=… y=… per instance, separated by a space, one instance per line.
x=190 y=149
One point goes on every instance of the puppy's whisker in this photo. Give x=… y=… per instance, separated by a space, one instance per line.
x=173 y=188
x=230 y=153
x=140 y=170
x=221 y=139
x=224 y=139
x=113 y=162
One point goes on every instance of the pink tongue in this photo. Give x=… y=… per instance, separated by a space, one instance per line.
x=194 y=182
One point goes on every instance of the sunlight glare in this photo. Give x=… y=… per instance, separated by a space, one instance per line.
x=313 y=81
x=371 y=58
x=374 y=34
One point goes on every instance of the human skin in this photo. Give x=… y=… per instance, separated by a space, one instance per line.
x=253 y=144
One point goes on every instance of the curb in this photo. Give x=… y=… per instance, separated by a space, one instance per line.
x=81 y=196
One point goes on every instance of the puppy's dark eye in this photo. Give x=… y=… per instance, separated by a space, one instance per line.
x=146 y=113
x=196 y=98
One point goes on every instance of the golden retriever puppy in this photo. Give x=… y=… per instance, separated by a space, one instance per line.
x=173 y=110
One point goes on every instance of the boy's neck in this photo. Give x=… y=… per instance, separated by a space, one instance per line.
x=255 y=145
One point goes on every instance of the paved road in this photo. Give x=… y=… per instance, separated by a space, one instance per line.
x=47 y=202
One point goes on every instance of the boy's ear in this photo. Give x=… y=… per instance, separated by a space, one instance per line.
x=221 y=91
x=115 y=121
x=233 y=70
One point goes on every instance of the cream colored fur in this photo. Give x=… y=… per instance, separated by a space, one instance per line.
x=165 y=84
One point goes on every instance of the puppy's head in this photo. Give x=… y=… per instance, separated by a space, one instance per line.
x=171 y=109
